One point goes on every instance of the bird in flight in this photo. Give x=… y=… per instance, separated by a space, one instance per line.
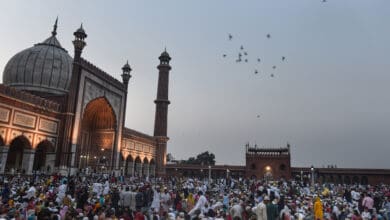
x=256 y=72
x=246 y=60
x=238 y=60
x=258 y=116
x=258 y=60
x=268 y=36
x=242 y=47
x=239 y=55
x=224 y=55
x=283 y=58
x=245 y=53
x=230 y=37
x=273 y=67
x=272 y=75
x=323 y=0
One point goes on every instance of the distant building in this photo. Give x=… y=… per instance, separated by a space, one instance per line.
x=275 y=163
x=63 y=114
x=268 y=162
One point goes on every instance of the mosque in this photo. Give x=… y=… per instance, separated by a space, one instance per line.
x=60 y=113
x=64 y=114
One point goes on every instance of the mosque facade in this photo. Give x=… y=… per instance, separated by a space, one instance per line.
x=60 y=113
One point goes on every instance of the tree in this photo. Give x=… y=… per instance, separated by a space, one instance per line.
x=170 y=157
x=205 y=158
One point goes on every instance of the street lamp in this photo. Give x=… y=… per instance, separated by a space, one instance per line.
x=227 y=173
x=301 y=176
x=209 y=175
x=312 y=175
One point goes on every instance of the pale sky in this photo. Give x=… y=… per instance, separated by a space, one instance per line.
x=329 y=99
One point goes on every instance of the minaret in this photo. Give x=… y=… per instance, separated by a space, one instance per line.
x=126 y=69
x=68 y=150
x=79 y=42
x=161 y=118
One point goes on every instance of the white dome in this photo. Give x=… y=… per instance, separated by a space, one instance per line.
x=45 y=67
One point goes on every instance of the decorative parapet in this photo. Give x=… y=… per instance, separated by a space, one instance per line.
x=133 y=134
x=268 y=152
x=30 y=98
x=102 y=74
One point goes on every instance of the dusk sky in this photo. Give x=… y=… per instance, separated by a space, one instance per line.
x=330 y=97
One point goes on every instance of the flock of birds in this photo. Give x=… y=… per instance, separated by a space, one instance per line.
x=242 y=56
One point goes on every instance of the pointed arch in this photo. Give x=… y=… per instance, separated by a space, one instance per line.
x=152 y=167
x=97 y=138
x=44 y=157
x=138 y=166
x=138 y=159
x=99 y=114
x=145 y=167
x=21 y=140
x=15 y=157
x=355 y=180
x=129 y=165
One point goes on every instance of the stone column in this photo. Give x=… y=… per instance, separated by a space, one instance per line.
x=28 y=160
x=132 y=168
x=50 y=161
x=152 y=168
x=146 y=169
x=3 y=158
x=139 y=169
x=125 y=168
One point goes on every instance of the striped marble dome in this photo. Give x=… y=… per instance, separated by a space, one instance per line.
x=46 y=67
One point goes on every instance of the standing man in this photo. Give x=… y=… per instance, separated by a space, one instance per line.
x=200 y=204
x=272 y=210
x=125 y=198
x=261 y=210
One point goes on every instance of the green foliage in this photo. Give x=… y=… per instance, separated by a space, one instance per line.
x=205 y=158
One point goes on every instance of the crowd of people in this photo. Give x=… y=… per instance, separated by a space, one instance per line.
x=108 y=197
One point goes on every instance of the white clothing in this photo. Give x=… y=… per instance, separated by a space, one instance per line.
x=156 y=201
x=261 y=211
x=30 y=192
x=200 y=204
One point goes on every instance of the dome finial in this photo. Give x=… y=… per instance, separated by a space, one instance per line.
x=80 y=33
x=54 y=32
x=164 y=57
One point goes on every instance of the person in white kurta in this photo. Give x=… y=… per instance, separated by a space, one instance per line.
x=106 y=189
x=61 y=193
x=165 y=200
x=261 y=211
x=200 y=204
x=97 y=188
x=156 y=200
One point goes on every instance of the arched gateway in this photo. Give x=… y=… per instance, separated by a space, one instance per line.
x=61 y=113
x=98 y=128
